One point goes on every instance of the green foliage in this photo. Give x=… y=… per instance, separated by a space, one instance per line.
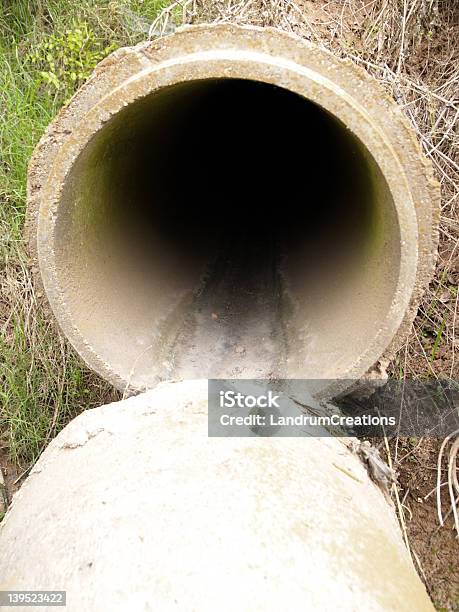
x=65 y=61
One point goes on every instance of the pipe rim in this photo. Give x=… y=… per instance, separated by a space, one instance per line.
x=253 y=65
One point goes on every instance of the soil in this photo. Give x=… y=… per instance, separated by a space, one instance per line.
x=436 y=547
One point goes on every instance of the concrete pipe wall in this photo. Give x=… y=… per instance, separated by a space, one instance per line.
x=133 y=507
x=231 y=202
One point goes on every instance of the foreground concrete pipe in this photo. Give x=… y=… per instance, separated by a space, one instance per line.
x=133 y=507
x=231 y=202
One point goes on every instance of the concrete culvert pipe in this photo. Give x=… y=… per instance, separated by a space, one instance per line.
x=158 y=516
x=231 y=202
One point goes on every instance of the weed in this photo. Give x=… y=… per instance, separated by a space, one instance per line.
x=65 y=61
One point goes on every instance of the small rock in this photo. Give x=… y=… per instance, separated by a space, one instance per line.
x=240 y=350
x=444 y=296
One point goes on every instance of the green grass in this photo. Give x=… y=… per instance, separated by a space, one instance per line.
x=47 y=49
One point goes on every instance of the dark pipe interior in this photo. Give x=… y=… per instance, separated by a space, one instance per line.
x=235 y=191
x=249 y=169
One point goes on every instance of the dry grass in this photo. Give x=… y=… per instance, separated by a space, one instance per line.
x=452 y=480
x=43 y=383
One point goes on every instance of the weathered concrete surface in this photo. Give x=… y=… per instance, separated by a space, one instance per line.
x=167 y=146
x=133 y=507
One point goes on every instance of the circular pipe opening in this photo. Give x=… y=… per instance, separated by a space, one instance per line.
x=223 y=228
